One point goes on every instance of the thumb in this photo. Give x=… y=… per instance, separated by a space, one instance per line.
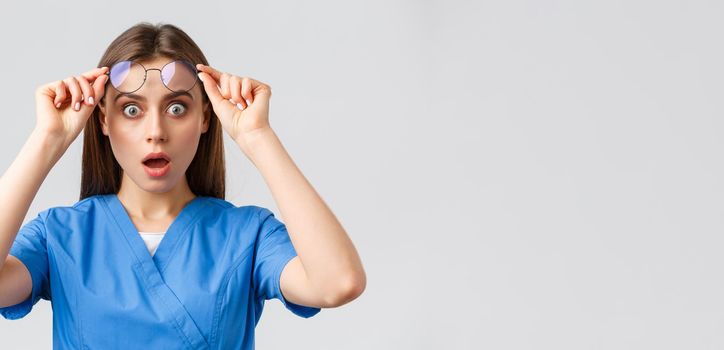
x=211 y=88
x=99 y=87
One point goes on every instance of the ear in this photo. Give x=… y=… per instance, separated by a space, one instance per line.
x=207 y=116
x=102 y=116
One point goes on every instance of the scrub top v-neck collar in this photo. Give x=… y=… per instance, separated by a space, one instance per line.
x=151 y=268
x=178 y=228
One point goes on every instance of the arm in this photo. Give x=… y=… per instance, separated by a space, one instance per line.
x=18 y=186
x=56 y=128
x=327 y=271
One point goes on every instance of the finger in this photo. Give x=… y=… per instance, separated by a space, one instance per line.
x=210 y=71
x=212 y=90
x=60 y=94
x=235 y=87
x=87 y=90
x=224 y=86
x=246 y=87
x=46 y=91
x=75 y=92
x=99 y=87
x=94 y=73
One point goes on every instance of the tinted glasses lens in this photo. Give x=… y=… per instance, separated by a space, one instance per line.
x=179 y=76
x=127 y=76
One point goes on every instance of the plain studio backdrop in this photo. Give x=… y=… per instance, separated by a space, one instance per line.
x=514 y=174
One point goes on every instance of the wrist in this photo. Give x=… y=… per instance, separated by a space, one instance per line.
x=55 y=145
x=260 y=145
x=256 y=139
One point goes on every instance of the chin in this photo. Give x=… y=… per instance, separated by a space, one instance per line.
x=156 y=185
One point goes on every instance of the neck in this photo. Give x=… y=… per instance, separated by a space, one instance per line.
x=145 y=205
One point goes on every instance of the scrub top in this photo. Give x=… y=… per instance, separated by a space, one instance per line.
x=204 y=288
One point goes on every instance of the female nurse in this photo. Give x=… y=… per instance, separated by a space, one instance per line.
x=152 y=255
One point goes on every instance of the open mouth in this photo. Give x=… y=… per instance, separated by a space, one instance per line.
x=156 y=163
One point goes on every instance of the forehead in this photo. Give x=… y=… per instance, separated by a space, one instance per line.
x=156 y=62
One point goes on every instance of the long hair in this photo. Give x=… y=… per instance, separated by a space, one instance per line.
x=101 y=173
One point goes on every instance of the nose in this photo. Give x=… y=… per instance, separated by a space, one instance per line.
x=155 y=122
x=156 y=130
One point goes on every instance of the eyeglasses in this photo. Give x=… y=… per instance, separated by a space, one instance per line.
x=128 y=76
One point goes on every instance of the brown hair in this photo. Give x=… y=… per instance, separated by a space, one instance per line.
x=101 y=173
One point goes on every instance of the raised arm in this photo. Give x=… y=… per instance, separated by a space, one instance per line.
x=18 y=187
x=328 y=271
x=62 y=109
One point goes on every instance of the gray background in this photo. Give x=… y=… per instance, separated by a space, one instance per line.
x=514 y=174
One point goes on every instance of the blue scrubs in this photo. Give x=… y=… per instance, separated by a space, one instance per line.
x=203 y=289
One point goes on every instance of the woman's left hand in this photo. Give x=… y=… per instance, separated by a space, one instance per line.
x=241 y=103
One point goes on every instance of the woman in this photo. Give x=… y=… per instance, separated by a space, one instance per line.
x=152 y=256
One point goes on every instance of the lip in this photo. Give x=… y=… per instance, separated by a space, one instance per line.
x=156 y=155
x=157 y=172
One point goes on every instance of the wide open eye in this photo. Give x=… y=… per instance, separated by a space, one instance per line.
x=177 y=109
x=130 y=108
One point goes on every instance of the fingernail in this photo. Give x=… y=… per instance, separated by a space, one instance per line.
x=90 y=100
x=232 y=101
x=57 y=105
x=247 y=102
x=200 y=78
x=239 y=105
x=77 y=106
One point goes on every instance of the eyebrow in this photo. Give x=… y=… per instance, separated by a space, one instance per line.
x=142 y=98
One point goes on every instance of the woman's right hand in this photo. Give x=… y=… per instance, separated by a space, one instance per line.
x=56 y=104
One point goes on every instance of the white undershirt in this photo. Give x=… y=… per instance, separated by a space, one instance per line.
x=152 y=240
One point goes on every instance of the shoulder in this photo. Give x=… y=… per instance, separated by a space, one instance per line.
x=241 y=224
x=80 y=208
x=248 y=213
x=219 y=205
x=56 y=223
